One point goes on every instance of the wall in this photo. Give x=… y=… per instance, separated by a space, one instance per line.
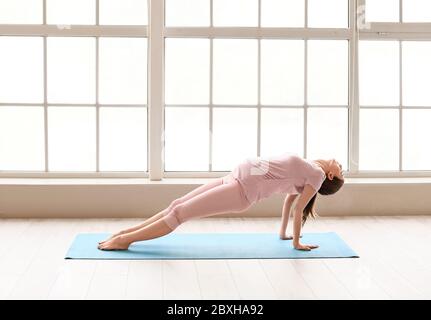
x=117 y=198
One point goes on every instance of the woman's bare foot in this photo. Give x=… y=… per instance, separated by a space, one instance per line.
x=112 y=237
x=117 y=243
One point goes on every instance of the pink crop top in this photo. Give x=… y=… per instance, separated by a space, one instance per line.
x=285 y=173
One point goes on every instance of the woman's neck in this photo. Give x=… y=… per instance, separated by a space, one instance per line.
x=322 y=164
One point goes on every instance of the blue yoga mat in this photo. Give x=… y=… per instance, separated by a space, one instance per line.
x=213 y=246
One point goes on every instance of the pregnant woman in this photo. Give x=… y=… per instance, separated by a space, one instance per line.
x=251 y=181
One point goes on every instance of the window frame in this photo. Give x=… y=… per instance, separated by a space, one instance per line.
x=95 y=31
x=393 y=31
x=156 y=32
x=259 y=33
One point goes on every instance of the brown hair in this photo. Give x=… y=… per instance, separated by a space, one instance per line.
x=328 y=187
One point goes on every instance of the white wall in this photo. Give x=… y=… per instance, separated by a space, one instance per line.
x=118 y=198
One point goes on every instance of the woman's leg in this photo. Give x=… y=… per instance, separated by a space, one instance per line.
x=177 y=201
x=224 y=198
x=149 y=221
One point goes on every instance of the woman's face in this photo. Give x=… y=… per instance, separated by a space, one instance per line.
x=335 y=170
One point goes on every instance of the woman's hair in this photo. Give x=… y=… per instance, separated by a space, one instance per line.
x=328 y=187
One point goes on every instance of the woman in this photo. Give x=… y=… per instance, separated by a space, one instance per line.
x=250 y=182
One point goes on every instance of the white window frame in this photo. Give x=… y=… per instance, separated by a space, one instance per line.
x=259 y=33
x=395 y=31
x=157 y=32
x=46 y=30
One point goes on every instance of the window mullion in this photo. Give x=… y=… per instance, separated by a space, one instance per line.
x=155 y=97
x=400 y=113
x=401 y=10
x=259 y=105
x=305 y=97
x=97 y=94
x=353 y=89
x=211 y=116
x=97 y=109
x=305 y=114
x=211 y=110
x=45 y=91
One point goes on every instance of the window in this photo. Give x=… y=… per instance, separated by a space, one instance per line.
x=379 y=88
x=416 y=11
x=283 y=13
x=73 y=99
x=328 y=14
x=383 y=10
x=71 y=12
x=21 y=63
x=187 y=13
x=282 y=72
x=235 y=13
x=71 y=64
x=21 y=138
x=256 y=94
x=235 y=71
x=124 y=12
x=227 y=80
x=398 y=11
x=21 y=12
x=328 y=72
x=394 y=97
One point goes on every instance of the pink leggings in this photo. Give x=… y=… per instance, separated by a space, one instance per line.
x=223 y=195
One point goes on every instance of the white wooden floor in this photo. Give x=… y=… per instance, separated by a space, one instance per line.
x=395 y=263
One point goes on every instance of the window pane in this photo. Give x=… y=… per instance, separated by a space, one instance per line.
x=328 y=13
x=235 y=13
x=379 y=140
x=282 y=131
x=327 y=72
x=71 y=11
x=21 y=11
x=71 y=70
x=282 y=71
x=234 y=136
x=187 y=13
x=328 y=134
x=123 y=70
x=123 y=139
x=123 y=12
x=187 y=139
x=416 y=73
x=417 y=11
x=72 y=138
x=416 y=135
x=379 y=73
x=22 y=145
x=382 y=10
x=283 y=13
x=235 y=71
x=21 y=69
x=187 y=65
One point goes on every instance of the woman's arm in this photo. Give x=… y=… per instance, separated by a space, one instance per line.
x=303 y=199
x=288 y=201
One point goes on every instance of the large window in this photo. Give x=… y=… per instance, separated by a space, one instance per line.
x=86 y=89
x=394 y=89
x=73 y=86
x=232 y=93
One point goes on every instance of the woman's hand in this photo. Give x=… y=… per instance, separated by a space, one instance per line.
x=305 y=247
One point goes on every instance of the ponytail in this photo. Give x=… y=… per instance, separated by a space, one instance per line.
x=327 y=187
x=309 y=210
